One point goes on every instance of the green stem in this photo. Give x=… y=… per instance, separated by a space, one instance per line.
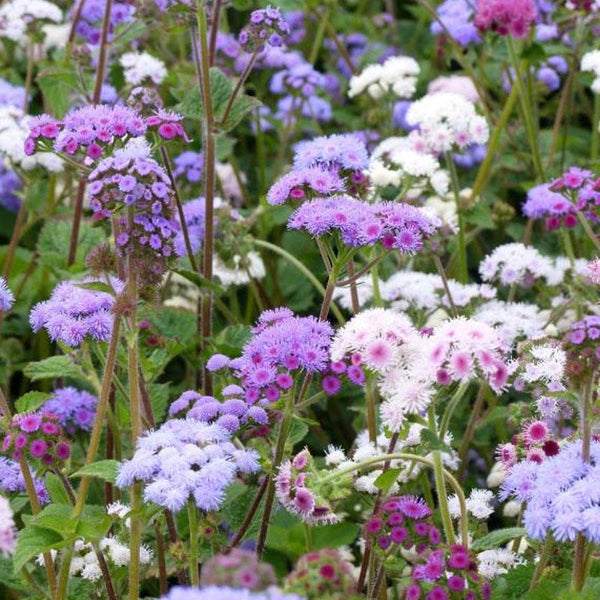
x=595 y=129
x=304 y=270
x=451 y=407
x=462 y=245
x=440 y=269
x=193 y=551
x=590 y=232
x=370 y=395
x=543 y=561
x=526 y=107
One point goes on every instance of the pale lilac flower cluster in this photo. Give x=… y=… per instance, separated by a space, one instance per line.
x=582 y=189
x=342 y=152
x=547 y=73
x=306 y=183
x=357 y=223
x=506 y=17
x=145 y=100
x=37 y=436
x=11 y=480
x=189 y=166
x=239 y=569
x=583 y=346
x=561 y=494
x=11 y=95
x=227 y=593
x=131 y=179
x=231 y=414
x=9 y=184
x=89 y=25
x=91 y=130
x=73 y=312
x=185 y=459
x=266 y=27
x=194 y=213
x=7 y=298
x=75 y=409
x=299 y=494
x=456 y=17
x=8 y=531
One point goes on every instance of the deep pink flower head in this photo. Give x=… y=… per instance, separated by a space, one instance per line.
x=506 y=17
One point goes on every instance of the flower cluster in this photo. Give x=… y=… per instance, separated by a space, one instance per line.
x=19 y=18
x=356 y=223
x=36 y=436
x=73 y=312
x=7 y=528
x=561 y=494
x=456 y=18
x=506 y=17
x=398 y=74
x=7 y=298
x=302 y=184
x=446 y=121
x=185 y=459
x=89 y=25
x=12 y=481
x=266 y=27
x=582 y=189
x=590 y=62
x=239 y=569
x=189 y=166
x=139 y=66
x=74 y=409
x=11 y=95
x=543 y=202
x=131 y=181
x=583 y=345
x=226 y=593
x=9 y=184
x=322 y=574
x=300 y=494
x=342 y=152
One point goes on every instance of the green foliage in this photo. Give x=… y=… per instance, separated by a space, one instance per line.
x=53 y=367
x=56 y=81
x=497 y=538
x=31 y=401
x=106 y=470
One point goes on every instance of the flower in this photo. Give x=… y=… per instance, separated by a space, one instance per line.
x=590 y=62
x=226 y=593
x=240 y=569
x=74 y=408
x=542 y=201
x=89 y=25
x=7 y=298
x=498 y=561
x=12 y=481
x=7 y=528
x=346 y=152
x=73 y=312
x=139 y=66
x=18 y=18
x=183 y=459
x=266 y=27
x=506 y=17
x=456 y=17
x=306 y=183
x=398 y=75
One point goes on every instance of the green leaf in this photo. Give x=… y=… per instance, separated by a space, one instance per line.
x=432 y=442
x=103 y=469
x=97 y=286
x=498 y=538
x=58 y=518
x=298 y=431
x=242 y=106
x=57 y=83
x=534 y=54
x=32 y=541
x=8 y=578
x=94 y=523
x=56 y=489
x=159 y=398
x=199 y=281
x=333 y=536
x=386 y=480
x=52 y=368
x=31 y=401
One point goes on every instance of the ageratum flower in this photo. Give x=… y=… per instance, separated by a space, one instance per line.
x=456 y=18
x=357 y=223
x=543 y=202
x=266 y=27
x=22 y=18
x=239 y=568
x=131 y=182
x=7 y=298
x=185 y=459
x=397 y=75
x=12 y=481
x=73 y=312
x=307 y=183
x=9 y=184
x=89 y=25
x=75 y=409
x=227 y=593
x=506 y=17
x=8 y=531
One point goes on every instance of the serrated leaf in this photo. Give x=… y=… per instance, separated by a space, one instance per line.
x=298 y=431
x=159 y=398
x=94 y=523
x=103 y=469
x=32 y=541
x=56 y=489
x=96 y=286
x=51 y=368
x=387 y=479
x=242 y=106
x=31 y=401
x=199 y=281
x=58 y=518
x=498 y=538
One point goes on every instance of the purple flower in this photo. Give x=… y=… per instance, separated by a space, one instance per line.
x=266 y=27
x=11 y=480
x=89 y=25
x=226 y=593
x=74 y=408
x=456 y=16
x=341 y=151
x=304 y=184
x=6 y=296
x=9 y=184
x=11 y=95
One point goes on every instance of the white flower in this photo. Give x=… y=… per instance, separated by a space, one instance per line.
x=244 y=269
x=16 y=15
x=397 y=74
x=334 y=455
x=544 y=363
x=511 y=509
x=403 y=395
x=139 y=66
x=496 y=476
x=7 y=528
x=499 y=561
x=479 y=504
x=590 y=62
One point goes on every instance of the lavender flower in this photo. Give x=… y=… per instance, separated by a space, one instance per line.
x=227 y=593
x=73 y=312
x=543 y=202
x=194 y=212
x=11 y=480
x=357 y=223
x=75 y=409
x=9 y=184
x=456 y=16
x=266 y=27
x=239 y=569
x=89 y=25
x=305 y=183
x=301 y=79
x=11 y=95
x=6 y=296
x=186 y=459
x=345 y=152
x=190 y=166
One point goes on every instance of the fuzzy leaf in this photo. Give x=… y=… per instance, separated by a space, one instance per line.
x=498 y=538
x=32 y=541
x=386 y=480
x=51 y=368
x=57 y=83
x=103 y=469
x=31 y=401
x=55 y=488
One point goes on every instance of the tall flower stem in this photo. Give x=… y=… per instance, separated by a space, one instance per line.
x=595 y=146
x=588 y=229
x=462 y=244
x=451 y=407
x=440 y=485
x=543 y=560
x=14 y=240
x=201 y=55
x=31 y=495
x=442 y=273
x=468 y=434
x=214 y=30
x=238 y=86
x=92 y=450
x=193 y=550
x=370 y=395
x=526 y=107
